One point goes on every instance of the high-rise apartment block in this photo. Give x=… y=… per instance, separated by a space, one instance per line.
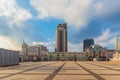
x=61 y=38
x=117 y=43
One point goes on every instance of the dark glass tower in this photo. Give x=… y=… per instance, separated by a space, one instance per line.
x=87 y=43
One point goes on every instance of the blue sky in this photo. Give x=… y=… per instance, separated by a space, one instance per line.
x=35 y=22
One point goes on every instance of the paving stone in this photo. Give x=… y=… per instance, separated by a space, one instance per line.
x=69 y=71
x=106 y=72
x=111 y=77
x=27 y=77
x=74 y=77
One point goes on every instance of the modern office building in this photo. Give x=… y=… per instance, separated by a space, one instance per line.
x=87 y=43
x=61 y=38
x=117 y=43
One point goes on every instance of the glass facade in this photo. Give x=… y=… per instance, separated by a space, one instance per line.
x=87 y=43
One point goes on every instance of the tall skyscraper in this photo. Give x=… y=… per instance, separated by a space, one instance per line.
x=87 y=43
x=117 y=43
x=61 y=38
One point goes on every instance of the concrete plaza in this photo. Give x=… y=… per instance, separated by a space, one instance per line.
x=62 y=70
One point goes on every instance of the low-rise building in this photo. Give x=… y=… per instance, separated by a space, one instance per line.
x=66 y=56
x=110 y=53
x=96 y=51
x=32 y=52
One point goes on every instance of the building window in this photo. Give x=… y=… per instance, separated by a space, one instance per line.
x=61 y=41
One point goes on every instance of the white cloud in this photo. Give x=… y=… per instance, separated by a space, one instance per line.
x=49 y=45
x=75 y=47
x=9 y=43
x=106 y=39
x=75 y=12
x=105 y=35
x=12 y=13
x=72 y=47
x=106 y=8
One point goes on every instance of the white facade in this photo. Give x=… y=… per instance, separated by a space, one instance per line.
x=117 y=43
x=34 y=53
x=33 y=50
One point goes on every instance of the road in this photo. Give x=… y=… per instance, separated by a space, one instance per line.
x=61 y=70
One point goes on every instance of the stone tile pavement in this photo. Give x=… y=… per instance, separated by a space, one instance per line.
x=61 y=70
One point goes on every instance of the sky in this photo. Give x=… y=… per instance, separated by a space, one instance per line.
x=35 y=22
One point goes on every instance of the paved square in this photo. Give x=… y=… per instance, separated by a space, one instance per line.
x=61 y=70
